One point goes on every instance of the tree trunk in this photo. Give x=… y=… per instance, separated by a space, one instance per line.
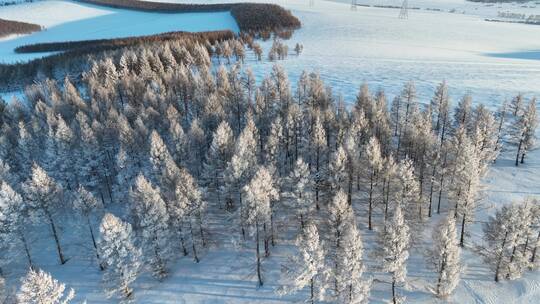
x=441 y=270
x=394 y=300
x=182 y=242
x=519 y=151
x=195 y=256
x=27 y=252
x=266 y=246
x=462 y=237
x=370 y=227
x=312 y=297
x=533 y=256
x=201 y=230
x=94 y=243
x=56 y=240
x=499 y=259
x=272 y=239
x=259 y=276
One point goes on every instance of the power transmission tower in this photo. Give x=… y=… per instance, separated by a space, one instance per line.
x=404 y=12
x=353 y=5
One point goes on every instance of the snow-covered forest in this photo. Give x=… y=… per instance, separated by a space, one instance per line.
x=209 y=168
x=164 y=154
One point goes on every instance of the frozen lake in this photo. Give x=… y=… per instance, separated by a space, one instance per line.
x=70 y=21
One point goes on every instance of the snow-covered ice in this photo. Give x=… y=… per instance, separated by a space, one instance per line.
x=70 y=21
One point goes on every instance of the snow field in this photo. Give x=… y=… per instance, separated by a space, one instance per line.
x=70 y=21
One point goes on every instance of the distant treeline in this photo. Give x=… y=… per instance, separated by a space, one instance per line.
x=9 y=27
x=250 y=17
x=78 y=55
x=91 y=46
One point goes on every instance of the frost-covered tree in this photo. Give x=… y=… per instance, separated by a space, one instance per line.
x=151 y=219
x=407 y=190
x=440 y=104
x=445 y=257
x=394 y=251
x=242 y=167
x=524 y=131
x=215 y=166
x=340 y=214
x=466 y=183
x=318 y=147
x=87 y=205
x=337 y=171
x=190 y=205
x=63 y=157
x=44 y=198
x=119 y=256
x=307 y=268
x=500 y=116
x=353 y=288
x=13 y=222
x=463 y=112
x=260 y=192
x=39 y=287
x=302 y=191
x=517 y=104
x=372 y=162
x=197 y=146
x=506 y=239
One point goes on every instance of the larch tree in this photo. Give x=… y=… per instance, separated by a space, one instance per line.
x=440 y=104
x=151 y=218
x=517 y=104
x=408 y=97
x=524 y=133
x=87 y=205
x=500 y=116
x=302 y=191
x=444 y=257
x=340 y=213
x=407 y=191
x=242 y=167
x=119 y=256
x=215 y=166
x=189 y=199
x=372 y=162
x=337 y=171
x=39 y=287
x=318 y=145
x=259 y=193
x=394 y=251
x=13 y=215
x=44 y=197
x=466 y=185
x=463 y=113
x=353 y=288
x=505 y=241
x=197 y=145
x=307 y=268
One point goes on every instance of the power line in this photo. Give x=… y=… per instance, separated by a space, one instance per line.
x=404 y=12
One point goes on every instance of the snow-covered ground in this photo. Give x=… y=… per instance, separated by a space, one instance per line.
x=491 y=61
x=70 y=21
